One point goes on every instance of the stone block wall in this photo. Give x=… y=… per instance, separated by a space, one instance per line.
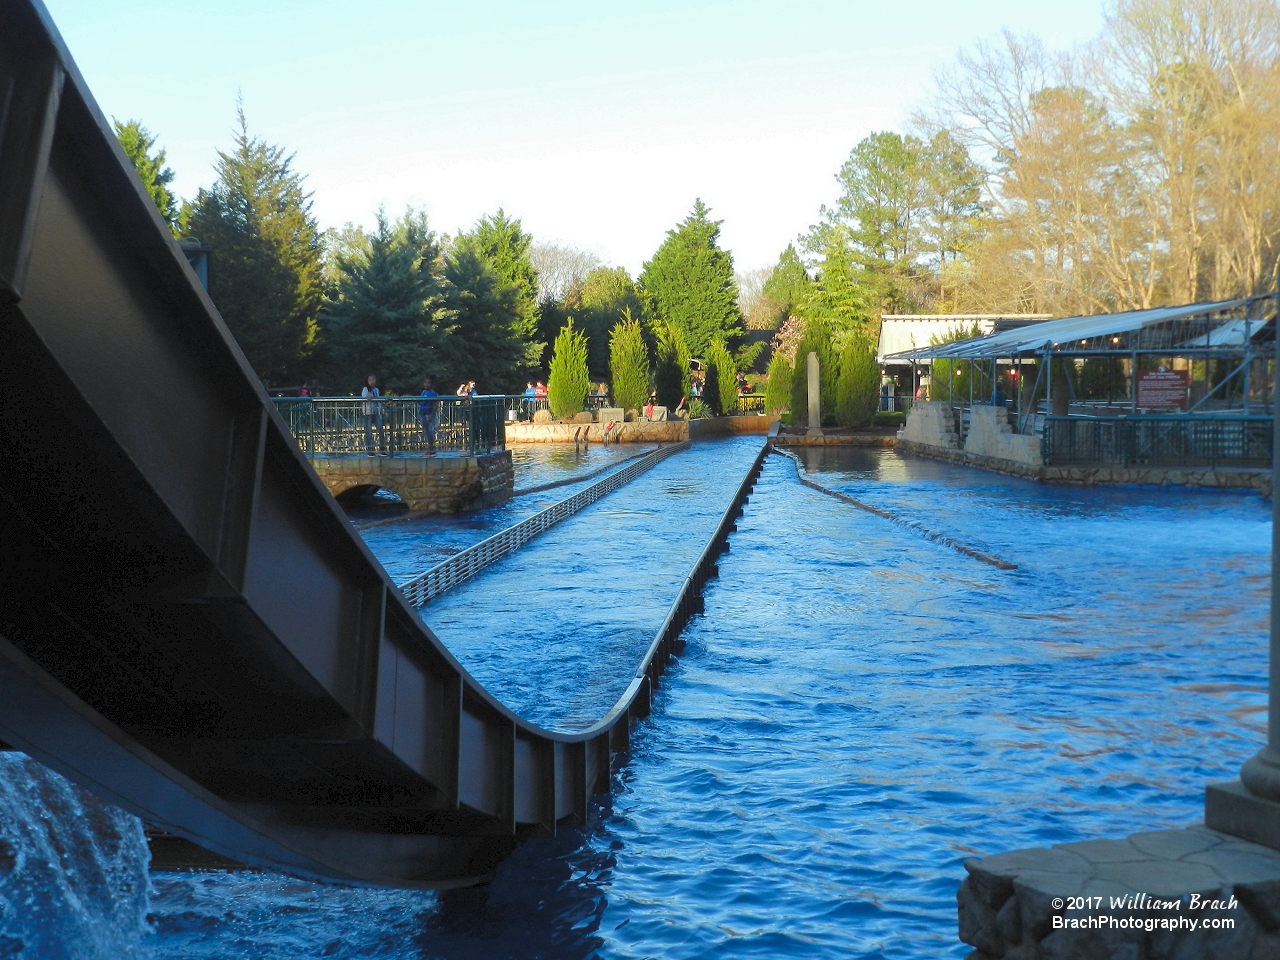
x=440 y=484
x=990 y=435
x=931 y=424
x=671 y=431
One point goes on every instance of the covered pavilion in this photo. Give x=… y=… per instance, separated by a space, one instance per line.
x=1192 y=383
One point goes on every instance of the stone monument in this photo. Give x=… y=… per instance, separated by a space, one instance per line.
x=815 y=397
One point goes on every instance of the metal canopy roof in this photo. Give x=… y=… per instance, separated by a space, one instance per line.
x=1047 y=336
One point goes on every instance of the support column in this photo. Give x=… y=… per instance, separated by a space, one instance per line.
x=1250 y=807
x=815 y=397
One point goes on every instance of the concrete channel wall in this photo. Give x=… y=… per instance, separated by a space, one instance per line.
x=440 y=484
x=641 y=431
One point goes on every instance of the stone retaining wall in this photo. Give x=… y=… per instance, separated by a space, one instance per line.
x=847 y=440
x=1162 y=895
x=439 y=484
x=659 y=431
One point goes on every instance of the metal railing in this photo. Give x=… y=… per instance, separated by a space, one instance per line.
x=1159 y=441
x=394 y=426
x=462 y=566
x=750 y=403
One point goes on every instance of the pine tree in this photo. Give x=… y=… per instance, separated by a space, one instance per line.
x=605 y=295
x=483 y=346
x=569 y=381
x=629 y=363
x=777 y=393
x=387 y=313
x=137 y=142
x=267 y=281
x=789 y=286
x=721 y=380
x=689 y=282
x=672 y=378
x=817 y=339
x=502 y=243
x=858 y=388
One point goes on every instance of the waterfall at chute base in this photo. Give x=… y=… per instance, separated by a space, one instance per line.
x=73 y=870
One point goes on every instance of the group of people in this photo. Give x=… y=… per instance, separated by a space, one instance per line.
x=428 y=414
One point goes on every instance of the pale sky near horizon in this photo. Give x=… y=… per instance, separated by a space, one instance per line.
x=597 y=124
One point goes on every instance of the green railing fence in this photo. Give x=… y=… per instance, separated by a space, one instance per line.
x=1159 y=441
x=394 y=426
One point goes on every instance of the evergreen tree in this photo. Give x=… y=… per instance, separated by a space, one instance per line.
x=789 y=286
x=858 y=388
x=569 y=381
x=711 y=389
x=817 y=339
x=721 y=384
x=604 y=297
x=672 y=378
x=267 y=283
x=629 y=363
x=484 y=345
x=387 y=313
x=689 y=282
x=502 y=243
x=137 y=142
x=777 y=392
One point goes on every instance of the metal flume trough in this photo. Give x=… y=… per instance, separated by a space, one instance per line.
x=189 y=626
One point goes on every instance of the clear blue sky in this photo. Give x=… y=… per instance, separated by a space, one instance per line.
x=597 y=123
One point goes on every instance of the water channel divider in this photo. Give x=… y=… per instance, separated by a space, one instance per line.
x=581 y=478
x=913 y=525
x=464 y=565
x=637 y=699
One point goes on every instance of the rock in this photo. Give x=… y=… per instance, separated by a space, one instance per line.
x=977 y=921
x=1009 y=921
x=1262 y=900
x=542 y=416
x=990 y=887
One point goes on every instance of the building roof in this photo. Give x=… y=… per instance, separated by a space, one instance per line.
x=1196 y=326
x=904 y=333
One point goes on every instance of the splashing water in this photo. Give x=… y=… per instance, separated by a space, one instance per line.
x=73 y=870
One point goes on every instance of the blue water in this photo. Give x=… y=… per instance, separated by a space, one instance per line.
x=857 y=712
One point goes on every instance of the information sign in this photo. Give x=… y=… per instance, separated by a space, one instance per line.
x=1163 y=389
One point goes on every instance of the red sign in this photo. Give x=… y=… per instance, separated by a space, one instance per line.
x=1163 y=389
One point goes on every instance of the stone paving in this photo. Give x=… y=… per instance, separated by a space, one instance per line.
x=1193 y=894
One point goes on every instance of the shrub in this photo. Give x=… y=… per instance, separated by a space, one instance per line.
x=699 y=410
x=887 y=419
x=671 y=379
x=569 y=381
x=629 y=364
x=711 y=389
x=777 y=393
x=721 y=361
x=858 y=389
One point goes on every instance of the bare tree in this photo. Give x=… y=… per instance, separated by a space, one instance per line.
x=561 y=269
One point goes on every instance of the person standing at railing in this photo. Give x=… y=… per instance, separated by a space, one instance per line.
x=429 y=414
x=371 y=409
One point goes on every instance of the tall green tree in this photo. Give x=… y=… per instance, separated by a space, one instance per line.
x=502 y=243
x=629 y=364
x=483 y=346
x=689 y=282
x=267 y=281
x=789 y=286
x=817 y=339
x=605 y=297
x=721 y=381
x=569 y=381
x=672 y=378
x=777 y=392
x=387 y=313
x=858 y=387
x=138 y=143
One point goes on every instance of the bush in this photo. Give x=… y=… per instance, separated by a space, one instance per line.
x=699 y=410
x=671 y=379
x=569 y=381
x=721 y=362
x=711 y=389
x=858 y=389
x=629 y=364
x=777 y=393
x=887 y=419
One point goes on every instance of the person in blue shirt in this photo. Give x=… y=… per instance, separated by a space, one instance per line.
x=429 y=414
x=998 y=398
